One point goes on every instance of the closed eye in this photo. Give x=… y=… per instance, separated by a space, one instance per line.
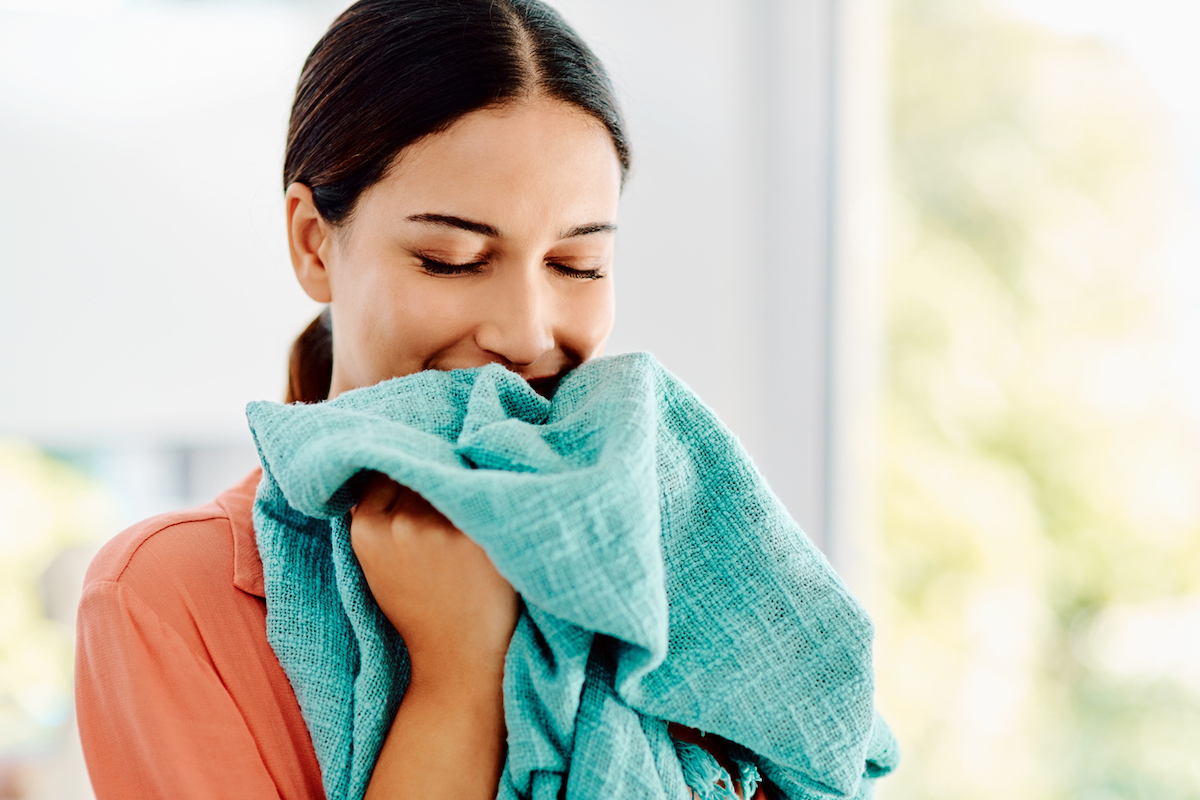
x=435 y=267
x=578 y=274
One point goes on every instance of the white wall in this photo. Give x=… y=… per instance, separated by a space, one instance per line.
x=147 y=293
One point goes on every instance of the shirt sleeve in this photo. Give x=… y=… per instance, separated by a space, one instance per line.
x=154 y=717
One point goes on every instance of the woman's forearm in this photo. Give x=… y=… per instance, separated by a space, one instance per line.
x=447 y=741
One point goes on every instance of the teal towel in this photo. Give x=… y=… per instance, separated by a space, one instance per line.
x=661 y=580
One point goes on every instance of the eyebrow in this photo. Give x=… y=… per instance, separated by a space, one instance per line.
x=483 y=229
x=445 y=221
x=588 y=229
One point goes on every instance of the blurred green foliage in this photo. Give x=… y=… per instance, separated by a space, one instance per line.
x=1041 y=485
x=52 y=518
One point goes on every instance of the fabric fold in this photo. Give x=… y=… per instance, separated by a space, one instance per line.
x=661 y=580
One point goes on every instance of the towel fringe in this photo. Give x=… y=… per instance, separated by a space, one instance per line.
x=704 y=775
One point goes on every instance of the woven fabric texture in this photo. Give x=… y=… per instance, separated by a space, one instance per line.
x=661 y=580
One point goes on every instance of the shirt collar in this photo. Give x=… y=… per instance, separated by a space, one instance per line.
x=238 y=503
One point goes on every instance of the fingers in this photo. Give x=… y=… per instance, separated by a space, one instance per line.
x=418 y=509
x=383 y=498
x=379 y=495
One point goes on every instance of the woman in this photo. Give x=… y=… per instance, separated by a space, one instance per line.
x=452 y=177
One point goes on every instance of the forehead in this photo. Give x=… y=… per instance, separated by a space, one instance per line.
x=523 y=167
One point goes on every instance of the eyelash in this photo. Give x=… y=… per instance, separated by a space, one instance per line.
x=443 y=268
x=435 y=267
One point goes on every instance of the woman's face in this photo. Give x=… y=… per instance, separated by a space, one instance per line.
x=489 y=242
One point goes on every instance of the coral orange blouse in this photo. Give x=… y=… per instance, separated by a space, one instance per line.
x=177 y=692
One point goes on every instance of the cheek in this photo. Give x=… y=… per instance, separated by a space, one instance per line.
x=588 y=318
x=426 y=317
x=404 y=322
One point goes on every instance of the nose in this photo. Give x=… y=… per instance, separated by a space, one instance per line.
x=518 y=325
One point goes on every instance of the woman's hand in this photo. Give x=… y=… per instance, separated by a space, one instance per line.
x=457 y=616
x=455 y=612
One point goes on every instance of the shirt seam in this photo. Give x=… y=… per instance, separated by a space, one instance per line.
x=128 y=558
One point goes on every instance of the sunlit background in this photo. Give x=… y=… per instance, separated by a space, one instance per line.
x=936 y=262
x=1039 y=554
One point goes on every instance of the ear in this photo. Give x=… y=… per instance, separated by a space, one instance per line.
x=310 y=240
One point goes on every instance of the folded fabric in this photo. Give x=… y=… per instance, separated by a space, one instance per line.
x=661 y=580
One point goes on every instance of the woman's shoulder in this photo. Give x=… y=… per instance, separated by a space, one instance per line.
x=189 y=557
x=178 y=692
x=142 y=550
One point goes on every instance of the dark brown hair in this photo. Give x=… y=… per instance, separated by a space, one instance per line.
x=390 y=72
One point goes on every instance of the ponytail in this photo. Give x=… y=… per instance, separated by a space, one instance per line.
x=310 y=368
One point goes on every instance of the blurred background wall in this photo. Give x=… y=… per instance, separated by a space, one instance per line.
x=934 y=261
